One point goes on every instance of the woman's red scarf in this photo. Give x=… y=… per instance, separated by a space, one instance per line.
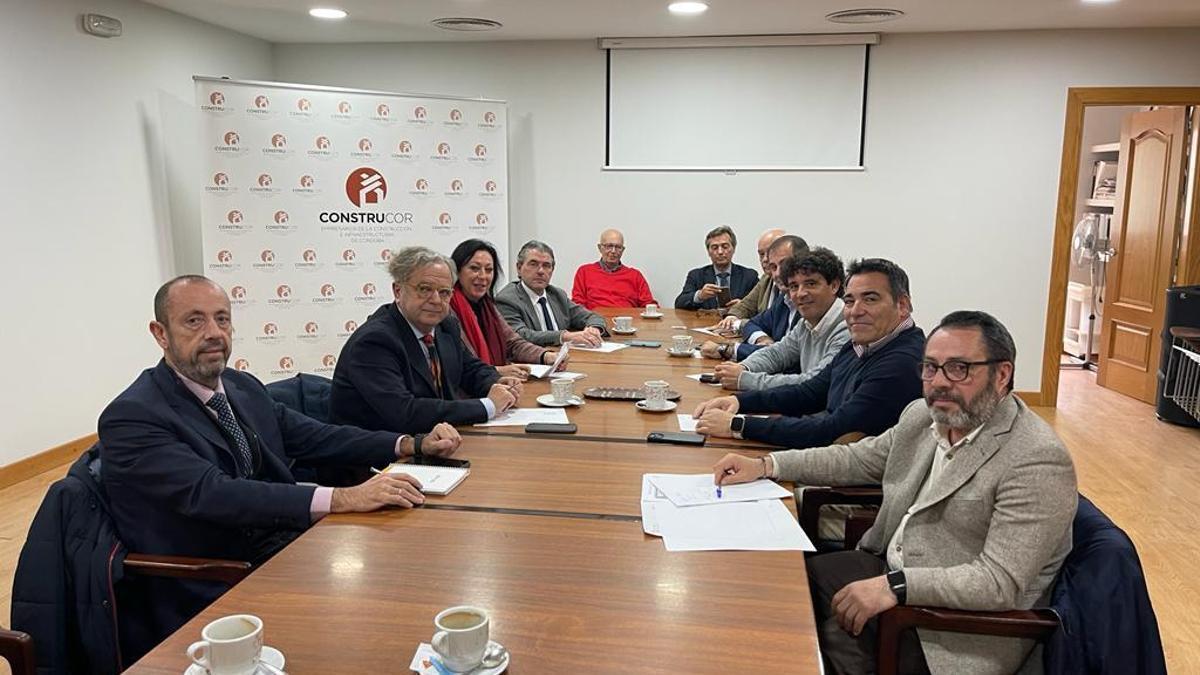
x=486 y=339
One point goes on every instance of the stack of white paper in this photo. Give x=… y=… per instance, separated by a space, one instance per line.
x=435 y=480
x=685 y=511
x=604 y=348
x=519 y=417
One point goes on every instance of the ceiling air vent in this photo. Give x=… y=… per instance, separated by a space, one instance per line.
x=465 y=23
x=873 y=15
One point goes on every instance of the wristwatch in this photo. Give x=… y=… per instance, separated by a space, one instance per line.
x=417 y=444
x=899 y=586
x=723 y=350
x=737 y=424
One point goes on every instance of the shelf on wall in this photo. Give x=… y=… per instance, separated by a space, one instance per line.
x=1106 y=147
x=1101 y=203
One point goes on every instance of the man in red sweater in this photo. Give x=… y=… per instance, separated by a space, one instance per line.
x=608 y=283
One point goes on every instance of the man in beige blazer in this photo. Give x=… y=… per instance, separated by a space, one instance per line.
x=978 y=498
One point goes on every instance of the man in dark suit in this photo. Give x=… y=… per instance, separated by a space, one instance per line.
x=195 y=457
x=703 y=285
x=545 y=314
x=406 y=369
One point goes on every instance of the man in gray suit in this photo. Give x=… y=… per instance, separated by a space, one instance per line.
x=541 y=313
x=986 y=532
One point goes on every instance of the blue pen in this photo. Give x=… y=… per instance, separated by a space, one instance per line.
x=718 y=492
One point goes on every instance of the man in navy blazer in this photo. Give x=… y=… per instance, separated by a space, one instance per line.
x=703 y=284
x=195 y=457
x=406 y=368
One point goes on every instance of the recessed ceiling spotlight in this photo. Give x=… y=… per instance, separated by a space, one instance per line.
x=327 y=13
x=687 y=7
x=865 y=15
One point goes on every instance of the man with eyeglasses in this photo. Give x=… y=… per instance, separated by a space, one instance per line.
x=608 y=283
x=542 y=313
x=978 y=499
x=705 y=286
x=406 y=369
x=862 y=390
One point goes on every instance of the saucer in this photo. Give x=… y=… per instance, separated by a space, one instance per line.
x=656 y=315
x=685 y=354
x=548 y=401
x=618 y=331
x=642 y=405
x=271 y=655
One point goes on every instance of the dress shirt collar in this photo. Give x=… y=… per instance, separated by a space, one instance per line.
x=608 y=269
x=941 y=434
x=879 y=344
x=832 y=316
x=728 y=269
x=199 y=390
x=416 y=331
x=533 y=296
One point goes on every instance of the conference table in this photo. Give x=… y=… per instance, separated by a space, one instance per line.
x=545 y=533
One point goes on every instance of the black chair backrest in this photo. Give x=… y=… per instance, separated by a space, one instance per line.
x=304 y=393
x=1108 y=622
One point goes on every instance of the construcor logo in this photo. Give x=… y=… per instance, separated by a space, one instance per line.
x=329 y=360
x=224 y=256
x=489 y=117
x=455 y=115
x=404 y=147
x=368 y=289
x=385 y=255
x=364 y=186
x=262 y=102
x=382 y=110
x=350 y=326
x=364 y=145
x=281 y=217
x=311 y=328
x=419 y=113
x=328 y=291
x=267 y=255
x=307 y=181
x=286 y=363
x=481 y=150
x=278 y=141
x=343 y=107
x=270 y=329
x=456 y=185
x=421 y=185
x=241 y=364
x=481 y=219
x=309 y=255
x=303 y=105
x=232 y=138
x=489 y=187
x=349 y=255
x=283 y=291
x=238 y=292
x=234 y=217
x=216 y=98
x=444 y=218
x=323 y=143
x=220 y=179
x=264 y=180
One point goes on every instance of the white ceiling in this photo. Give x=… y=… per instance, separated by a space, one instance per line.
x=408 y=20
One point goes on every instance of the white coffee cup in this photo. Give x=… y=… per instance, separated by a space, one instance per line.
x=232 y=645
x=681 y=343
x=623 y=323
x=462 y=636
x=656 y=394
x=562 y=389
x=652 y=309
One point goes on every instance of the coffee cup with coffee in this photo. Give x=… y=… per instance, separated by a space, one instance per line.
x=623 y=324
x=232 y=645
x=462 y=636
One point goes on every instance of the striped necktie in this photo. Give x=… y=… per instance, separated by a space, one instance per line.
x=220 y=404
x=435 y=365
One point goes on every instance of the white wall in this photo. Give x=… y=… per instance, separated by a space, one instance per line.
x=964 y=134
x=97 y=138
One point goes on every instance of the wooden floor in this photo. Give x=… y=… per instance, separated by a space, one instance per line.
x=1143 y=473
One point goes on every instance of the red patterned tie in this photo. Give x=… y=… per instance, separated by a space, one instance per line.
x=435 y=366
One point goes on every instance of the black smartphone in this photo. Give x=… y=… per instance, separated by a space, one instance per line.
x=431 y=460
x=550 y=428
x=676 y=437
x=653 y=344
x=723 y=297
x=710 y=378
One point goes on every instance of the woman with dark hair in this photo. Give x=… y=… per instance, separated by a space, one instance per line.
x=484 y=332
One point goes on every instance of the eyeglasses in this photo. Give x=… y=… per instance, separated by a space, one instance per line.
x=611 y=247
x=425 y=291
x=955 y=371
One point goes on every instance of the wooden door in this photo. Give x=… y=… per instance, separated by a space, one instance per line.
x=1149 y=181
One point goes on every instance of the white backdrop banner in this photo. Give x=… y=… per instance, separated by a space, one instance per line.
x=309 y=189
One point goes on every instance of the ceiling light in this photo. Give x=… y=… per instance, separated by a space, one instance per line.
x=865 y=15
x=466 y=23
x=687 y=7
x=327 y=13
x=1098 y=2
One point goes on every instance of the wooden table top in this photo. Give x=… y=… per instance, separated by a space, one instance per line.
x=561 y=475
x=357 y=593
x=660 y=330
x=622 y=420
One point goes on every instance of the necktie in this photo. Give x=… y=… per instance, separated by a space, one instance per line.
x=220 y=404
x=546 y=317
x=435 y=366
x=723 y=279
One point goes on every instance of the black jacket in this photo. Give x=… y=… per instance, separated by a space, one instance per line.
x=742 y=280
x=63 y=587
x=382 y=379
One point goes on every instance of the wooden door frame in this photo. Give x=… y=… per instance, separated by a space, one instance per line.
x=1078 y=98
